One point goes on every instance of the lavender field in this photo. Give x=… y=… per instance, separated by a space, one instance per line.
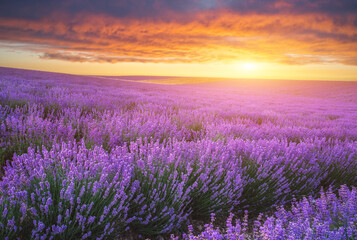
x=86 y=157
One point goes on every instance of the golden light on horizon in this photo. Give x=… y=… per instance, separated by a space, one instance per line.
x=331 y=72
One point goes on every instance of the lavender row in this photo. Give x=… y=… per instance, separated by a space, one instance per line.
x=155 y=188
x=330 y=216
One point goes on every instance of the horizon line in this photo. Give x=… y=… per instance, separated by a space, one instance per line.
x=178 y=76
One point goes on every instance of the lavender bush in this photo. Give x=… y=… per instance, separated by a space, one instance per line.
x=161 y=203
x=69 y=192
x=327 y=217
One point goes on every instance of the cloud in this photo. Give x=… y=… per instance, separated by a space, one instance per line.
x=330 y=7
x=87 y=57
x=25 y=9
x=290 y=32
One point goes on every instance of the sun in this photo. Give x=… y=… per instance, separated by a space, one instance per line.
x=249 y=66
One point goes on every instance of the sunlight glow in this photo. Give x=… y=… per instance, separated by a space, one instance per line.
x=249 y=66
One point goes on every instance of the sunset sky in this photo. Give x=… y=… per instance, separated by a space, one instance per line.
x=297 y=39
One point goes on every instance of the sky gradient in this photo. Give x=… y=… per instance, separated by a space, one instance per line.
x=301 y=39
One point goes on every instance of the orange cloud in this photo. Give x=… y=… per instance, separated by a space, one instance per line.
x=207 y=36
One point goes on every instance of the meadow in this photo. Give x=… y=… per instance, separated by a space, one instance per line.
x=85 y=157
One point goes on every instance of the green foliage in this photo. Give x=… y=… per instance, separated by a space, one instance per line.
x=16 y=146
x=215 y=190
x=13 y=103
x=342 y=171
x=263 y=186
x=160 y=204
x=12 y=218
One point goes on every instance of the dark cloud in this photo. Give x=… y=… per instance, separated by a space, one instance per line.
x=340 y=7
x=164 y=9
x=38 y=9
